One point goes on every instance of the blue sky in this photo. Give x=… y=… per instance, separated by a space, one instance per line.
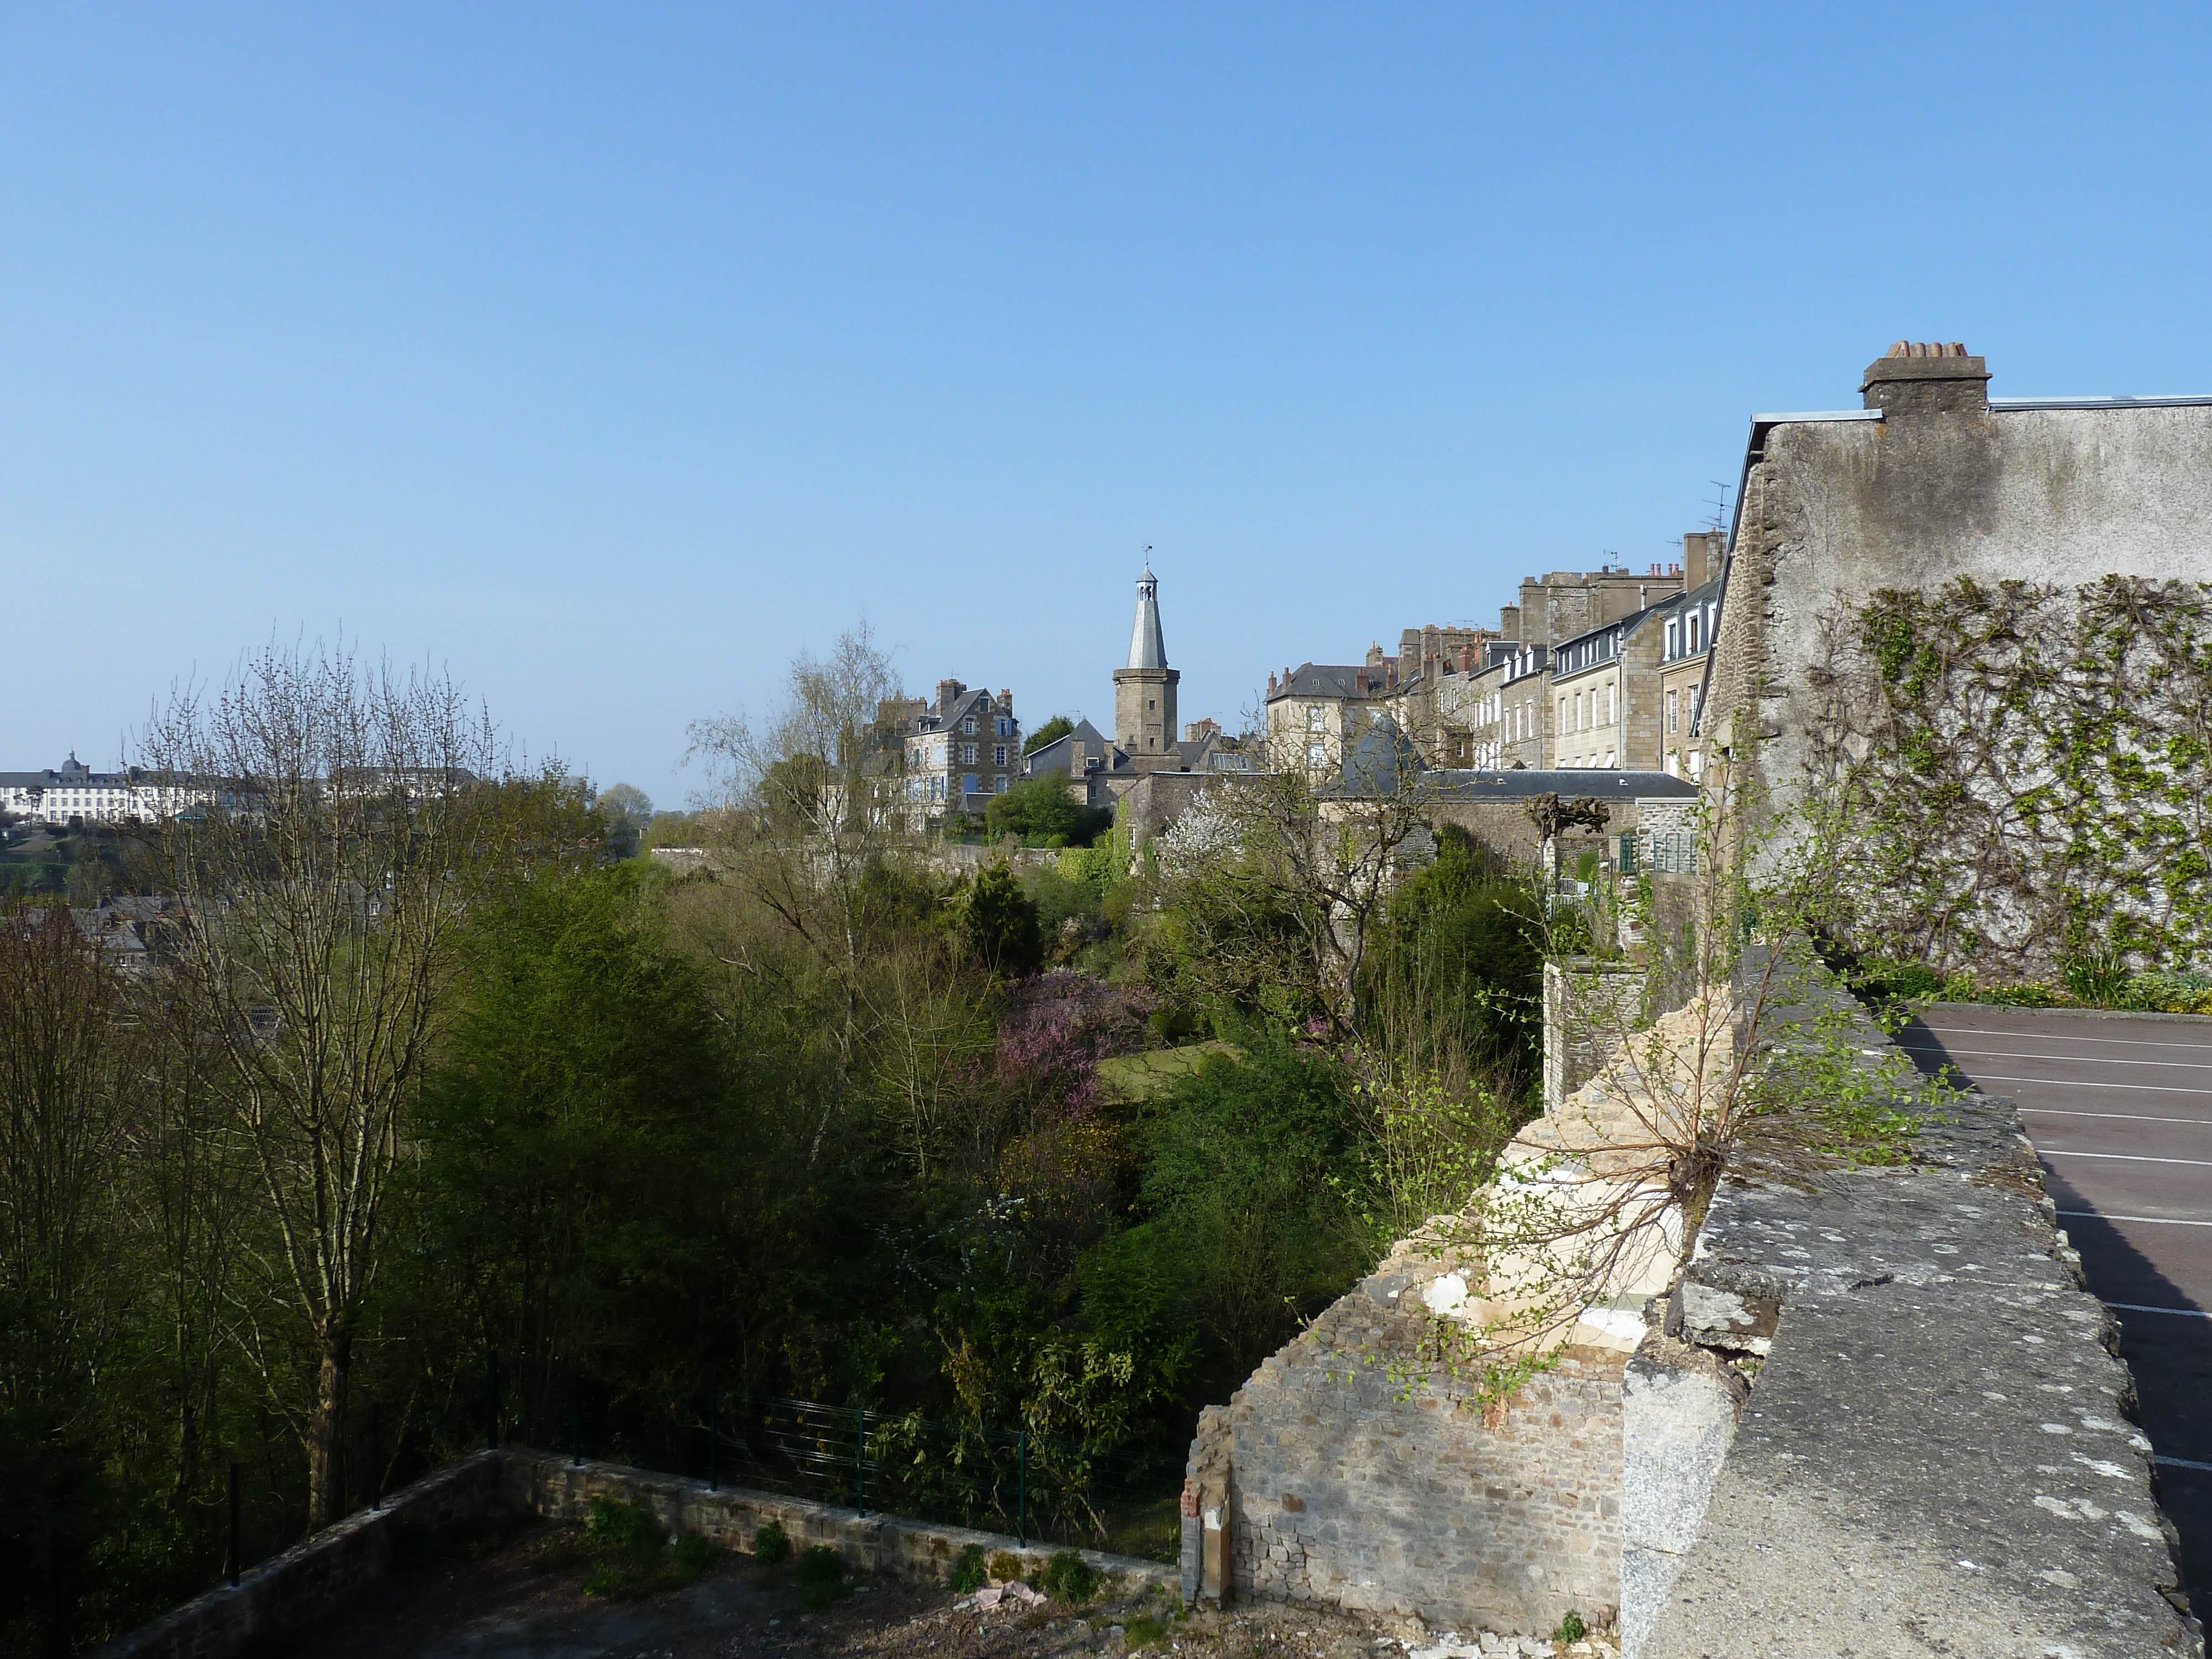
x=610 y=354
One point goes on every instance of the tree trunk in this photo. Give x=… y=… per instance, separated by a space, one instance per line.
x=326 y=1433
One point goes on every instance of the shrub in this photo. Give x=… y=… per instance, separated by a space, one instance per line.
x=2097 y=978
x=1143 y=1631
x=820 y=1577
x=1068 y=1579
x=690 y=1556
x=771 y=1544
x=968 y=1572
x=628 y=1528
x=999 y=923
x=1572 y=1628
x=1880 y=981
x=607 y=1580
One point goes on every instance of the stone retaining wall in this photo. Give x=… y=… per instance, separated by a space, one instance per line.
x=546 y=1484
x=314 y=1578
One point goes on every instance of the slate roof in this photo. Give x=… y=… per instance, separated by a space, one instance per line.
x=1148 y=649
x=1385 y=760
x=1322 y=679
x=1052 y=757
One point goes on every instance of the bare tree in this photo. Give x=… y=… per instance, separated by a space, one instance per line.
x=810 y=817
x=1283 y=878
x=342 y=819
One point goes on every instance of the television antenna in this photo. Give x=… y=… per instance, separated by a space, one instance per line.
x=1720 y=507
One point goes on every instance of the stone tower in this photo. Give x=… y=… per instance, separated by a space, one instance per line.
x=1144 y=691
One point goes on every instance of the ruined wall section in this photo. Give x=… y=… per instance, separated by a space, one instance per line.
x=1337 y=1492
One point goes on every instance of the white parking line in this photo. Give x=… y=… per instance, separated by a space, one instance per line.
x=2145 y=1307
x=2079 y=1059
x=2178 y=1463
x=2126 y=1158
x=2113 y=1117
x=2038 y=1037
x=2068 y=1083
x=2158 y=1220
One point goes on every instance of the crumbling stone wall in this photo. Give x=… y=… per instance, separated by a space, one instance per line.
x=1330 y=1488
x=1588 y=1006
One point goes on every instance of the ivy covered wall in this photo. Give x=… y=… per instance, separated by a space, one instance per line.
x=2007 y=774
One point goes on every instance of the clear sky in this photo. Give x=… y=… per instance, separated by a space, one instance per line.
x=609 y=354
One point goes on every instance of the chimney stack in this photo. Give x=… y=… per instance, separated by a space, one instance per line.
x=1920 y=378
x=948 y=693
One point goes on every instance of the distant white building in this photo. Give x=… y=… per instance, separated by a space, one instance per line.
x=74 y=790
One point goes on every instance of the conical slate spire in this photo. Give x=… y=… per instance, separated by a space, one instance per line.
x=1147 y=648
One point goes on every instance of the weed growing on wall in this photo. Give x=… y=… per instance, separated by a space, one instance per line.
x=1730 y=1049
x=2018 y=777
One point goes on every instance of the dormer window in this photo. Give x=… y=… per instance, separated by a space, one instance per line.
x=969 y=725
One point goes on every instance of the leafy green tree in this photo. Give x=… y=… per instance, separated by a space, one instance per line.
x=1453 y=984
x=1250 y=1158
x=999 y=922
x=628 y=810
x=1044 y=812
x=1051 y=731
x=592 y=1179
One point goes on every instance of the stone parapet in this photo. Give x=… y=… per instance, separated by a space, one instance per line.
x=1938 y=1455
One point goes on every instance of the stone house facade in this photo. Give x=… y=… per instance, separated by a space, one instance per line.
x=1686 y=648
x=964 y=749
x=1315 y=709
x=1603 y=697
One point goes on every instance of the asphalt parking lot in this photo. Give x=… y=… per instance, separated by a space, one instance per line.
x=2120 y=1109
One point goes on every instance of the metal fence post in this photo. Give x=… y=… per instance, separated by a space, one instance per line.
x=714 y=1436
x=575 y=1419
x=376 y=1454
x=233 y=1526
x=1022 y=1489
x=491 y=1399
x=861 y=1458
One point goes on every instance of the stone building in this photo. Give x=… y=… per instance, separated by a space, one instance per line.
x=1085 y=756
x=1687 y=643
x=1145 y=690
x=74 y=791
x=1106 y=771
x=1315 y=709
x=1930 y=482
x=964 y=748
x=1604 y=694
x=1562 y=604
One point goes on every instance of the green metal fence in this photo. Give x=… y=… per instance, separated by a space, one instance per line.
x=1034 y=1487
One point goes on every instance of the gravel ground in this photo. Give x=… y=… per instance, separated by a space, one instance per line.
x=521 y=1597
